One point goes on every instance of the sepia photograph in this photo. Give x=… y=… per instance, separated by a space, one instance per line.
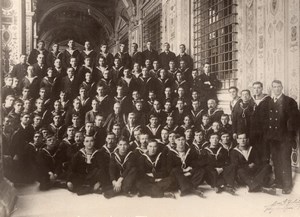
x=150 y=108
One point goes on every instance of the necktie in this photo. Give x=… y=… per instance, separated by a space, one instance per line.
x=275 y=99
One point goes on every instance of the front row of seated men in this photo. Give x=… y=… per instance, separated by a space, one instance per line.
x=153 y=168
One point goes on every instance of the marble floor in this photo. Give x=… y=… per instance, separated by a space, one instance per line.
x=61 y=203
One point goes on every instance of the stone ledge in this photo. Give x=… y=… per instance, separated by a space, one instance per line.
x=8 y=197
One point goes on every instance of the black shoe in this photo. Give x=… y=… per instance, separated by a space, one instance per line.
x=83 y=190
x=198 y=193
x=169 y=195
x=229 y=190
x=286 y=190
x=129 y=194
x=271 y=191
x=218 y=190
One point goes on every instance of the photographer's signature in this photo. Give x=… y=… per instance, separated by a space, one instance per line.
x=284 y=205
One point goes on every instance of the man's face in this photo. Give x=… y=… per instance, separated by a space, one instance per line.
x=144 y=139
x=40 y=58
x=18 y=107
x=127 y=73
x=195 y=105
x=180 y=105
x=277 y=89
x=76 y=104
x=51 y=143
x=117 y=108
x=9 y=82
x=100 y=91
x=180 y=144
x=139 y=106
x=134 y=47
x=37 y=120
x=152 y=148
x=71 y=44
x=42 y=93
x=182 y=49
x=87 y=45
x=149 y=45
x=41 y=45
x=30 y=71
x=71 y=132
x=211 y=104
x=199 y=136
x=206 y=68
x=205 y=120
x=101 y=62
x=89 y=127
x=87 y=62
x=131 y=119
x=50 y=73
x=25 y=119
x=145 y=72
x=117 y=62
x=187 y=121
x=73 y=62
x=37 y=138
x=76 y=121
x=164 y=135
x=57 y=106
x=194 y=73
x=233 y=93
x=79 y=137
x=242 y=140
x=179 y=77
x=180 y=92
x=116 y=130
x=245 y=96
x=224 y=120
x=168 y=92
x=89 y=142
x=15 y=82
x=123 y=147
x=135 y=95
x=111 y=141
x=25 y=92
x=167 y=47
x=168 y=106
x=122 y=47
x=151 y=96
x=104 y=48
x=172 y=138
x=56 y=119
x=23 y=59
x=155 y=64
x=55 y=47
x=172 y=65
x=257 y=89
x=88 y=77
x=82 y=92
x=57 y=63
x=99 y=121
x=215 y=126
x=214 y=140
x=120 y=91
x=154 y=121
x=156 y=105
x=94 y=104
x=225 y=138
x=136 y=135
x=188 y=134
x=39 y=104
x=70 y=72
x=170 y=121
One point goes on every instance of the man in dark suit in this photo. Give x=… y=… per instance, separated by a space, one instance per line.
x=280 y=132
x=166 y=56
x=136 y=57
x=40 y=68
x=209 y=83
x=184 y=56
x=20 y=70
x=35 y=52
x=123 y=56
x=150 y=53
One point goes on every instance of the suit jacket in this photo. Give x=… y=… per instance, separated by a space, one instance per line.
x=125 y=59
x=282 y=119
x=151 y=55
x=137 y=57
x=32 y=58
x=40 y=71
x=19 y=71
x=165 y=58
x=187 y=58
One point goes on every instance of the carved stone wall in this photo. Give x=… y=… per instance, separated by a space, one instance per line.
x=177 y=23
x=268 y=46
x=11 y=33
